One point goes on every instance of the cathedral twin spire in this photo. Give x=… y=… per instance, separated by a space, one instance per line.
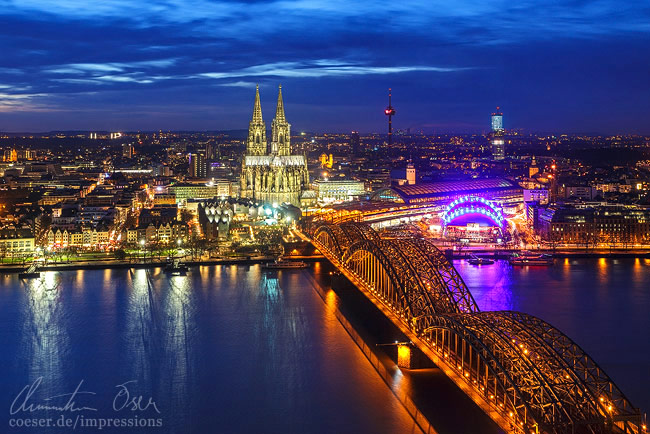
x=256 y=143
x=257 y=111
x=270 y=174
x=279 y=111
x=280 y=130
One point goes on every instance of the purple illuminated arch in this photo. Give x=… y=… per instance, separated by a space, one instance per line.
x=473 y=205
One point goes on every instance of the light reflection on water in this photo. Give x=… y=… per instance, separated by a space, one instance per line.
x=254 y=351
x=140 y=321
x=44 y=336
x=178 y=326
x=223 y=349
x=491 y=285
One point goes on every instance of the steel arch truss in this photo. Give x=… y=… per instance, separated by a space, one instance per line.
x=532 y=373
x=337 y=238
x=450 y=279
x=426 y=282
x=529 y=376
x=359 y=231
x=332 y=238
x=590 y=388
x=388 y=279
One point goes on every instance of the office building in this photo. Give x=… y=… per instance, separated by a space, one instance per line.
x=355 y=141
x=197 y=167
x=496 y=135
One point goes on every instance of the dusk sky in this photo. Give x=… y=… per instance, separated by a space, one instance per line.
x=561 y=66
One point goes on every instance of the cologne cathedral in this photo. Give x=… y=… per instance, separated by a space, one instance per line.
x=272 y=175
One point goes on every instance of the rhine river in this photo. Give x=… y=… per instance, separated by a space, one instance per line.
x=235 y=349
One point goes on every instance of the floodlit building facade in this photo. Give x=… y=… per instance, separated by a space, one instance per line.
x=272 y=175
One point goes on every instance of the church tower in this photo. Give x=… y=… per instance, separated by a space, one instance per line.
x=273 y=177
x=280 y=130
x=256 y=144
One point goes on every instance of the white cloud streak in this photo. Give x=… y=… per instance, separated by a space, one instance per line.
x=321 y=68
x=10 y=102
x=102 y=68
x=117 y=72
x=245 y=84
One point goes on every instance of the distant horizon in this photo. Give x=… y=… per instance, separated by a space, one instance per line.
x=396 y=132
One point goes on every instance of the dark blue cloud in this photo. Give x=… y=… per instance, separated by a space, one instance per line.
x=572 y=65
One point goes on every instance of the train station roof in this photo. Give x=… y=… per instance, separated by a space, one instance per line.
x=431 y=191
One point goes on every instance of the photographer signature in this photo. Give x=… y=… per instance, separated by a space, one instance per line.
x=26 y=402
x=124 y=400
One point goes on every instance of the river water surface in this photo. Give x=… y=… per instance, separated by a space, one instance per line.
x=235 y=349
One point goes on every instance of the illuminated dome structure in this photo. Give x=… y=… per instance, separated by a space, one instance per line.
x=473 y=218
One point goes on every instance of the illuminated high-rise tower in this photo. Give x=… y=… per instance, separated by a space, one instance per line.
x=196 y=165
x=497 y=120
x=498 y=142
x=256 y=143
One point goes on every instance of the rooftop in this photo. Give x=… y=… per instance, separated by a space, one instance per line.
x=432 y=191
x=446 y=187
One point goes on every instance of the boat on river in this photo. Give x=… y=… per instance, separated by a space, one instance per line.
x=176 y=267
x=282 y=264
x=528 y=258
x=478 y=260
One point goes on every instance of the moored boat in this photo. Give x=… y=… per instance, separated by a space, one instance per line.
x=528 y=258
x=477 y=260
x=176 y=267
x=284 y=264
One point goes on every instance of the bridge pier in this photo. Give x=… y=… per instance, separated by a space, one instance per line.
x=338 y=280
x=410 y=357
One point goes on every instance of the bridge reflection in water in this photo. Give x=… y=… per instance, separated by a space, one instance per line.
x=528 y=376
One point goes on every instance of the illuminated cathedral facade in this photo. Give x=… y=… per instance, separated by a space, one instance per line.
x=272 y=174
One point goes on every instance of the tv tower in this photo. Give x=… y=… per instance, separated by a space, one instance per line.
x=390 y=112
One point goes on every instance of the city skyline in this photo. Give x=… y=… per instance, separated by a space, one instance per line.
x=310 y=216
x=574 y=67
